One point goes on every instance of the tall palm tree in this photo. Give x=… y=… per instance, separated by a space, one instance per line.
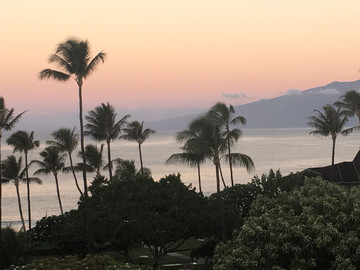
x=330 y=122
x=102 y=126
x=53 y=161
x=12 y=170
x=67 y=140
x=193 y=152
x=73 y=57
x=223 y=117
x=24 y=142
x=7 y=122
x=134 y=131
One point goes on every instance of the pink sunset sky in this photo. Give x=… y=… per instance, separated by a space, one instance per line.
x=177 y=53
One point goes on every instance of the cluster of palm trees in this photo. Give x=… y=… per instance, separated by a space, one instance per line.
x=331 y=122
x=102 y=126
x=211 y=137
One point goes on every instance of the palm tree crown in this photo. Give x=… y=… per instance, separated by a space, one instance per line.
x=134 y=131
x=331 y=122
x=102 y=126
x=350 y=103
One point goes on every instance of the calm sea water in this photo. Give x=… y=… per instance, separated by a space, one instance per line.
x=289 y=150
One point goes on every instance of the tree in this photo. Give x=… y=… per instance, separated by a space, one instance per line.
x=134 y=131
x=193 y=151
x=24 y=142
x=223 y=117
x=330 y=122
x=12 y=170
x=73 y=57
x=350 y=103
x=53 y=162
x=102 y=126
x=315 y=227
x=7 y=122
x=95 y=161
x=66 y=140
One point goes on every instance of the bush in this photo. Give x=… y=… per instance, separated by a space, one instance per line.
x=91 y=262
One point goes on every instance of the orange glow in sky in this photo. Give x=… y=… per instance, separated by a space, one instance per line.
x=178 y=54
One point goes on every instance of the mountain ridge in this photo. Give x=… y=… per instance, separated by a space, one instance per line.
x=285 y=111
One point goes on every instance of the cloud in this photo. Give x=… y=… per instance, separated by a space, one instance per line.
x=328 y=91
x=235 y=95
x=293 y=92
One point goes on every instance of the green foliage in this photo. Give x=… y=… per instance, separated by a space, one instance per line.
x=64 y=233
x=90 y=262
x=15 y=247
x=315 y=227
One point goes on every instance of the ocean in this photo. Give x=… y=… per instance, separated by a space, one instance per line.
x=286 y=149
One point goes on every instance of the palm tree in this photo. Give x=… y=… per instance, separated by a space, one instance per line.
x=135 y=132
x=67 y=140
x=214 y=141
x=73 y=57
x=53 y=162
x=12 y=171
x=7 y=122
x=24 y=142
x=350 y=103
x=223 y=116
x=95 y=162
x=193 y=152
x=330 y=122
x=102 y=126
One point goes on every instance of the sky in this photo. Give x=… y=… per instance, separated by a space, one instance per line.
x=177 y=54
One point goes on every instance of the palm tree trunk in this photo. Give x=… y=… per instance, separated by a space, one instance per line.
x=109 y=159
x=222 y=176
x=58 y=193
x=84 y=169
x=333 y=158
x=74 y=174
x=19 y=202
x=217 y=177
x=28 y=188
x=82 y=140
x=230 y=165
x=199 y=177
x=141 y=161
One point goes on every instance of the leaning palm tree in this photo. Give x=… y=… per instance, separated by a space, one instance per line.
x=73 y=57
x=222 y=115
x=102 y=126
x=24 y=142
x=134 y=131
x=67 y=140
x=194 y=152
x=12 y=170
x=330 y=122
x=53 y=161
x=7 y=122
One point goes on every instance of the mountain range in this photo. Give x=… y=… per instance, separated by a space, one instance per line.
x=290 y=110
x=287 y=111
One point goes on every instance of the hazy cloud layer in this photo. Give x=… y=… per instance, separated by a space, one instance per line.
x=328 y=91
x=293 y=92
x=235 y=95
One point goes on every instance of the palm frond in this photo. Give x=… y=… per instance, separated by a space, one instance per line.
x=241 y=160
x=54 y=74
